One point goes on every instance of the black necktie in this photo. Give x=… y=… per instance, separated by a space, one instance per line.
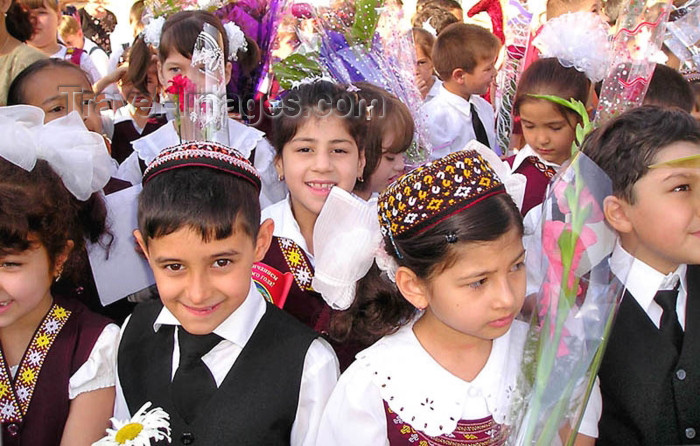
x=479 y=129
x=670 y=328
x=193 y=384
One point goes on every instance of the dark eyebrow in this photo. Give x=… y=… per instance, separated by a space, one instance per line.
x=485 y=272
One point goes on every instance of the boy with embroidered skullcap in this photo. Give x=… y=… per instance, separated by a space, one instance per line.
x=226 y=366
x=464 y=57
x=650 y=373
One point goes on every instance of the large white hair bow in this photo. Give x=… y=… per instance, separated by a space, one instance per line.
x=346 y=236
x=77 y=155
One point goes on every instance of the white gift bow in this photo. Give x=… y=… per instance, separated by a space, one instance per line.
x=77 y=155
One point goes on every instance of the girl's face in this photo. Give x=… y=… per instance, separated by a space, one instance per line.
x=176 y=64
x=59 y=91
x=25 y=282
x=136 y=98
x=391 y=166
x=424 y=66
x=547 y=131
x=45 y=24
x=322 y=154
x=478 y=301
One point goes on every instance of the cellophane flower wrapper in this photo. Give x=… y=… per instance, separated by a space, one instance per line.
x=683 y=38
x=640 y=32
x=362 y=40
x=157 y=8
x=206 y=112
x=574 y=309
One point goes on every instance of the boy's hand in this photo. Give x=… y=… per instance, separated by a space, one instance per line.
x=422 y=87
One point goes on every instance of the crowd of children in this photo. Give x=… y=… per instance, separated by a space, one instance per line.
x=428 y=348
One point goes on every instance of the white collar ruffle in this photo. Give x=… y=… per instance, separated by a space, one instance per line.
x=432 y=399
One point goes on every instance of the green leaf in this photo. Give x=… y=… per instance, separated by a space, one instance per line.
x=295 y=68
x=367 y=14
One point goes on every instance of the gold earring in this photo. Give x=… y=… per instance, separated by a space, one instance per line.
x=280 y=177
x=58 y=275
x=360 y=179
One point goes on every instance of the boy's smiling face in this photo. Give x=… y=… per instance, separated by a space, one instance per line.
x=202 y=283
x=662 y=227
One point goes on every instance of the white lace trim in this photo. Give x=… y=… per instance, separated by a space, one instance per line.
x=429 y=397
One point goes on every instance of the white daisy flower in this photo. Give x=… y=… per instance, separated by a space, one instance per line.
x=138 y=431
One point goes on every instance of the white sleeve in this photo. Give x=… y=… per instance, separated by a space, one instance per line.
x=121 y=410
x=89 y=67
x=592 y=413
x=318 y=379
x=99 y=371
x=100 y=60
x=355 y=412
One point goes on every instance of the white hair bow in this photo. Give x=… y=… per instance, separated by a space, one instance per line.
x=77 y=155
x=346 y=237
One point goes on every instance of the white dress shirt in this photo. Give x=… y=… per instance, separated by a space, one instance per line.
x=449 y=120
x=398 y=370
x=319 y=374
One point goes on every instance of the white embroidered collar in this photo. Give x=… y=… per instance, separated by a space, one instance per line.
x=432 y=399
x=527 y=152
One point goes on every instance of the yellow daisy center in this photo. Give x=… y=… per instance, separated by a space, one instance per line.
x=128 y=432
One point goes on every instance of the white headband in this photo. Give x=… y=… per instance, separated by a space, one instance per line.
x=77 y=155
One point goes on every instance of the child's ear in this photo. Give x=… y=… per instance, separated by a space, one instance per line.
x=458 y=75
x=63 y=257
x=142 y=243
x=279 y=167
x=228 y=69
x=361 y=162
x=614 y=209
x=161 y=77
x=412 y=288
x=262 y=243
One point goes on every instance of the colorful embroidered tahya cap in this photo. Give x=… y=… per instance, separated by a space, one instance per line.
x=203 y=154
x=433 y=192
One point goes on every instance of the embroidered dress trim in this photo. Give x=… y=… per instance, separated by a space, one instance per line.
x=15 y=395
x=483 y=432
x=548 y=171
x=296 y=261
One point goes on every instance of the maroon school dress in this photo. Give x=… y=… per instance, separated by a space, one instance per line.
x=538 y=175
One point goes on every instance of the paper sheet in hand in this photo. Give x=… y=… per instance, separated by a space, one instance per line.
x=125 y=271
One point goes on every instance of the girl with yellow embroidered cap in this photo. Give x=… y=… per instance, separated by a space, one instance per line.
x=318 y=136
x=442 y=298
x=56 y=363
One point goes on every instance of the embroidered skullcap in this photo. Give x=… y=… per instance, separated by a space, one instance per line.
x=435 y=191
x=203 y=154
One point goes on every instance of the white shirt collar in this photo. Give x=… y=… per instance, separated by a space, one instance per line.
x=527 y=152
x=643 y=281
x=285 y=224
x=405 y=374
x=434 y=89
x=458 y=102
x=238 y=327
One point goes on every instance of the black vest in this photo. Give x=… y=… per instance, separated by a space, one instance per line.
x=651 y=396
x=256 y=403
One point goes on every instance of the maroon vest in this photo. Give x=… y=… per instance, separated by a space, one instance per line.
x=49 y=406
x=302 y=301
x=483 y=432
x=125 y=133
x=538 y=176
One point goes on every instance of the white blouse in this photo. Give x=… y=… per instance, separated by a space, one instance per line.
x=397 y=370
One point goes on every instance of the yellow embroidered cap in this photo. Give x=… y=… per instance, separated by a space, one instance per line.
x=433 y=192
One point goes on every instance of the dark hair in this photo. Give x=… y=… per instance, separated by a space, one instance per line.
x=435 y=16
x=548 y=76
x=37 y=204
x=140 y=60
x=180 y=33
x=625 y=146
x=208 y=201
x=19 y=22
x=668 y=88
x=379 y=309
x=463 y=46
x=318 y=99
x=387 y=114
x=16 y=94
